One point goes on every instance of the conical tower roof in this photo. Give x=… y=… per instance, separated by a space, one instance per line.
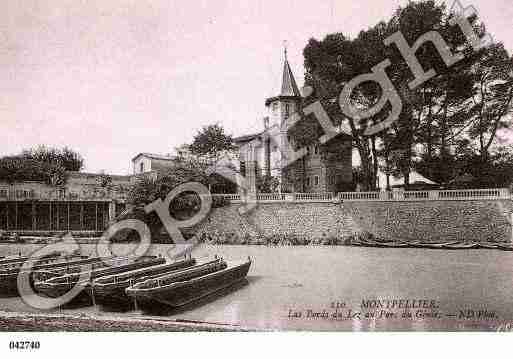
x=289 y=87
x=288 y=83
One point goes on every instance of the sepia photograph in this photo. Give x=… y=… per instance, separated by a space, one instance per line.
x=255 y=166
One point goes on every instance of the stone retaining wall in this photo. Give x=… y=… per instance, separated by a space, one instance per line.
x=420 y=220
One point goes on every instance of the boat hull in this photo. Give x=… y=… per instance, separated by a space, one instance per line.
x=182 y=293
x=9 y=278
x=113 y=293
x=9 y=284
x=56 y=287
x=54 y=291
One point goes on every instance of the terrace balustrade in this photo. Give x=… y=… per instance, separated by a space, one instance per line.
x=383 y=196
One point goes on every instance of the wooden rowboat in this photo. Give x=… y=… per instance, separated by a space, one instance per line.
x=460 y=245
x=9 y=275
x=189 y=285
x=111 y=289
x=44 y=273
x=433 y=245
x=391 y=244
x=18 y=261
x=489 y=245
x=60 y=285
x=41 y=272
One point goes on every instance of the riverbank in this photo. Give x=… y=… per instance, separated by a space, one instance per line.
x=365 y=239
x=37 y=322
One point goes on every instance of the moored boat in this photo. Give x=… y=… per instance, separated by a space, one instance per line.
x=60 y=285
x=488 y=245
x=462 y=245
x=9 y=274
x=439 y=245
x=187 y=286
x=41 y=272
x=110 y=289
x=505 y=246
x=392 y=245
x=18 y=261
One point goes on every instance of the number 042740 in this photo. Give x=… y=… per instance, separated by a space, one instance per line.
x=24 y=345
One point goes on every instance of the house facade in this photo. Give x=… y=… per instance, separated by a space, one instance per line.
x=324 y=168
x=146 y=162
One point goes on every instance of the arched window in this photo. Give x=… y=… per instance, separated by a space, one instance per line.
x=287 y=110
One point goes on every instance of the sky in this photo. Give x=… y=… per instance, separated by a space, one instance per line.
x=113 y=78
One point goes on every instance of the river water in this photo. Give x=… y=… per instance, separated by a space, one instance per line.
x=287 y=280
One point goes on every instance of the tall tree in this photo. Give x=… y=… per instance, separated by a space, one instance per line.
x=211 y=142
x=492 y=102
x=42 y=163
x=434 y=114
x=67 y=158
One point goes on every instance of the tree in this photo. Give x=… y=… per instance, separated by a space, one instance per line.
x=267 y=184
x=67 y=158
x=147 y=189
x=492 y=101
x=211 y=142
x=41 y=164
x=104 y=180
x=329 y=65
x=435 y=115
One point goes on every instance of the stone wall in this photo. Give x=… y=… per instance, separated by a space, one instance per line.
x=422 y=220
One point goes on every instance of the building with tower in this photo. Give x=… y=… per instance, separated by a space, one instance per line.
x=324 y=168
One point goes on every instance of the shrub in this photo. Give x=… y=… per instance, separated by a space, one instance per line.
x=219 y=201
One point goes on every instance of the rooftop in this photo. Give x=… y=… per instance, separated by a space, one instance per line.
x=154 y=156
x=246 y=138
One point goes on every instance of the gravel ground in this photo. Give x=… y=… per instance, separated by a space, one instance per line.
x=10 y=321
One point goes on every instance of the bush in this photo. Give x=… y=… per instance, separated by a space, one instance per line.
x=219 y=201
x=346 y=187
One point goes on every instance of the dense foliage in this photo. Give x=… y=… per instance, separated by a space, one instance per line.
x=147 y=189
x=211 y=142
x=462 y=110
x=267 y=184
x=43 y=164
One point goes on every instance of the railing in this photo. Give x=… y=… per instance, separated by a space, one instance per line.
x=474 y=194
x=69 y=196
x=230 y=197
x=359 y=196
x=314 y=197
x=270 y=197
x=433 y=195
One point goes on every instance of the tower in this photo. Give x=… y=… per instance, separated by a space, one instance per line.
x=325 y=168
x=279 y=109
